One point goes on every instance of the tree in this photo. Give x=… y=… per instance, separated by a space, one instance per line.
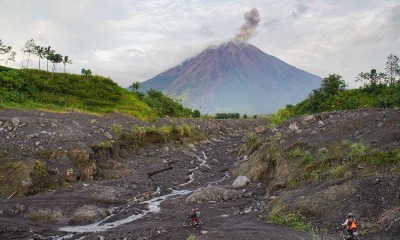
x=10 y=57
x=332 y=84
x=65 y=61
x=196 y=113
x=371 y=79
x=8 y=52
x=56 y=58
x=86 y=72
x=392 y=69
x=30 y=49
x=244 y=116
x=135 y=86
x=47 y=54
x=39 y=51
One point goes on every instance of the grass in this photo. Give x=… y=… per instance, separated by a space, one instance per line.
x=60 y=92
x=191 y=237
x=293 y=220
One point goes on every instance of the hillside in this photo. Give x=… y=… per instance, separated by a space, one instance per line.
x=234 y=78
x=318 y=168
x=39 y=89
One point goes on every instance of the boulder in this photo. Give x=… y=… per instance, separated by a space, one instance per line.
x=308 y=119
x=87 y=214
x=206 y=194
x=293 y=127
x=240 y=181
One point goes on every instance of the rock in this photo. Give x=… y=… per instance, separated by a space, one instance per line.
x=86 y=214
x=241 y=181
x=99 y=237
x=320 y=123
x=47 y=215
x=293 y=127
x=248 y=210
x=308 y=119
x=15 y=121
x=18 y=208
x=206 y=194
x=108 y=136
x=203 y=232
x=93 y=121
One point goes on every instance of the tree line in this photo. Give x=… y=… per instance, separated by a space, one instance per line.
x=31 y=48
x=379 y=89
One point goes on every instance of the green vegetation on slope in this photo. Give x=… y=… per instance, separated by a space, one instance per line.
x=379 y=90
x=39 y=89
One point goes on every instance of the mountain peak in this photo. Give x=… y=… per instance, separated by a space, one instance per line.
x=235 y=77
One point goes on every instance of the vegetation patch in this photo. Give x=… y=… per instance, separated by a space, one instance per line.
x=291 y=219
x=14 y=178
x=43 y=178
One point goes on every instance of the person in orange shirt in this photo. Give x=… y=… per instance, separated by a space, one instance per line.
x=350 y=226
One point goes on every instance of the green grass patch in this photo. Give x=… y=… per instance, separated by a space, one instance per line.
x=293 y=220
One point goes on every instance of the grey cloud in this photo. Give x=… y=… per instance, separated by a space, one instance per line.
x=300 y=9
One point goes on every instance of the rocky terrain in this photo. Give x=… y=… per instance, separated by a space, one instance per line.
x=103 y=188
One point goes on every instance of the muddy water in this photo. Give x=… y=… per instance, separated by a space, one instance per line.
x=153 y=207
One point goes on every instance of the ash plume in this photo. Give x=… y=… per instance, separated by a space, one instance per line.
x=249 y=28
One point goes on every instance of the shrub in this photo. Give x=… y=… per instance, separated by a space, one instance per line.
x=307 y=158
x=297 y=152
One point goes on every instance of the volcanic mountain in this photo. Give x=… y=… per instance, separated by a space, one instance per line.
x=234 y=78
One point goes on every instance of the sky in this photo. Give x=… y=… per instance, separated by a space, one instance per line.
x=134 y=40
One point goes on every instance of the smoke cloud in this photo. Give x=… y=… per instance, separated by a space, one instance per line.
x=249 y=28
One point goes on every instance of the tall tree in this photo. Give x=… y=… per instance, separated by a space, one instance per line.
x=29 y=48
x=48 y=54
x=392 y=68
x=55 y=59
x=40 y=52
x=65 y=61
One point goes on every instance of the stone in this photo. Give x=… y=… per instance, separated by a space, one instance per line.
x=320 y=123
x=108 y=136
x=15 y=121
x=241 y=181
x=293 y=127
x=18 y=208
x=308 y=119
x=93 y=121
x=86 y=214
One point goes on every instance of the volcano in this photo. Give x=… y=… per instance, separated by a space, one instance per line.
x=234 y=77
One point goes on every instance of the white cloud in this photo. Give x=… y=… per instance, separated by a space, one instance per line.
x=133 y=40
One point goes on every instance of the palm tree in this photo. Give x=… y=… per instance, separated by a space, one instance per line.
x=65 y=61
x=40 y=52
x=56 y=58
x=47 y=54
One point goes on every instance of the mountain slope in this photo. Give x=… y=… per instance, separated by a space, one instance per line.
x=235 y=78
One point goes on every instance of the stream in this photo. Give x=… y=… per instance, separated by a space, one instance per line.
x=153 y=206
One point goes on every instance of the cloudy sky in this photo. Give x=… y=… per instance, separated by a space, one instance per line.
x=134 y=40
